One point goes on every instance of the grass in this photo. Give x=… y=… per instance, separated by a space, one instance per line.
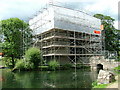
x=117 y=68
x=101 y=86
x=43 y=67
x=95 y=85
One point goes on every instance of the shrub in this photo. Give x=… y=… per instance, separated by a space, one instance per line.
x=54 y=65
x=33 y=55
x=23 y=64
x=8 y=61
x=29 y=65
x=94 y=84
x=20 y=64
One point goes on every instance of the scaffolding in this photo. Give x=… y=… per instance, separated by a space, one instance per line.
x=66 y=35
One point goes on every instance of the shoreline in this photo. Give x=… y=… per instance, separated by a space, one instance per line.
x=115 y=84
x=110 y=85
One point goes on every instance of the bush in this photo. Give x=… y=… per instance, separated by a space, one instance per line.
x=54 y=65
x=28 y=65
x=23 y=65
x=32 y=60
x=94 y=84
x=20 y=64
x=8 y=61
x=33 y=56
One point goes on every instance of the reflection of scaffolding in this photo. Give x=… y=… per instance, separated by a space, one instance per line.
x=67 y=37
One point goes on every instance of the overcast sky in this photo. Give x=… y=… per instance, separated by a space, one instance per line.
x=24 y=9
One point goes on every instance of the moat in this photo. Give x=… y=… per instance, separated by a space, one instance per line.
x=48 y=79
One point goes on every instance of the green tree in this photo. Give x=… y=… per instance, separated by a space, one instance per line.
x=110 y=33
x=17 y=36
x=33 y=55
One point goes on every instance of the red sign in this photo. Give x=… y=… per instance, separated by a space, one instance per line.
x=97 y=32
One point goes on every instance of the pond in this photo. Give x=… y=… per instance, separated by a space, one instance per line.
x=48 y=79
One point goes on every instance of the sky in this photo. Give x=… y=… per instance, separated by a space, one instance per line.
x=25 y=9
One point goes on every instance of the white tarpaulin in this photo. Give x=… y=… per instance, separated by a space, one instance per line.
x=64 y=18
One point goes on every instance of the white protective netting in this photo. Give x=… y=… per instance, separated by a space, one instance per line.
x=64 y=18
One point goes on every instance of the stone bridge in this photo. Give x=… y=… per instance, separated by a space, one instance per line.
x=99 y=62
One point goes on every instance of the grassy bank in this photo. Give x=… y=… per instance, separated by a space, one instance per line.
x=104 y=85
x=101 y=86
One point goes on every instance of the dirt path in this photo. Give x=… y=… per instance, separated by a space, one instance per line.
x=115 y=84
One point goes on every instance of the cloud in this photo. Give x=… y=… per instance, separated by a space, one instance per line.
x=25 y=9
x=19 y=8
x=105 y=7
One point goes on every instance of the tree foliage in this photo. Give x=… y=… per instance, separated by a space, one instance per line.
x=16 y=37
x=111 y=34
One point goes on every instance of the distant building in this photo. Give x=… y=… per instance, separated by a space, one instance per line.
x=66 y=35
x=1 y=54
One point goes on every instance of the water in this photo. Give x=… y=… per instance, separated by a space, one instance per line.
x=48 y=79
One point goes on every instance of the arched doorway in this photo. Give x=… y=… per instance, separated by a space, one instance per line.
x=99 y=67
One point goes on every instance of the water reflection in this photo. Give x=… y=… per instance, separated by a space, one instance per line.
x=49 y=79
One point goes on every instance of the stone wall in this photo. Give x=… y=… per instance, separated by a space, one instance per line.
x=107 y=64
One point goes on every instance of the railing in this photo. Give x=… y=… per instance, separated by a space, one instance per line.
x=110 y=54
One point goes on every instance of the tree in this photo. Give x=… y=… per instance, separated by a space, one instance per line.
x=17 y=36
x=111 y=34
